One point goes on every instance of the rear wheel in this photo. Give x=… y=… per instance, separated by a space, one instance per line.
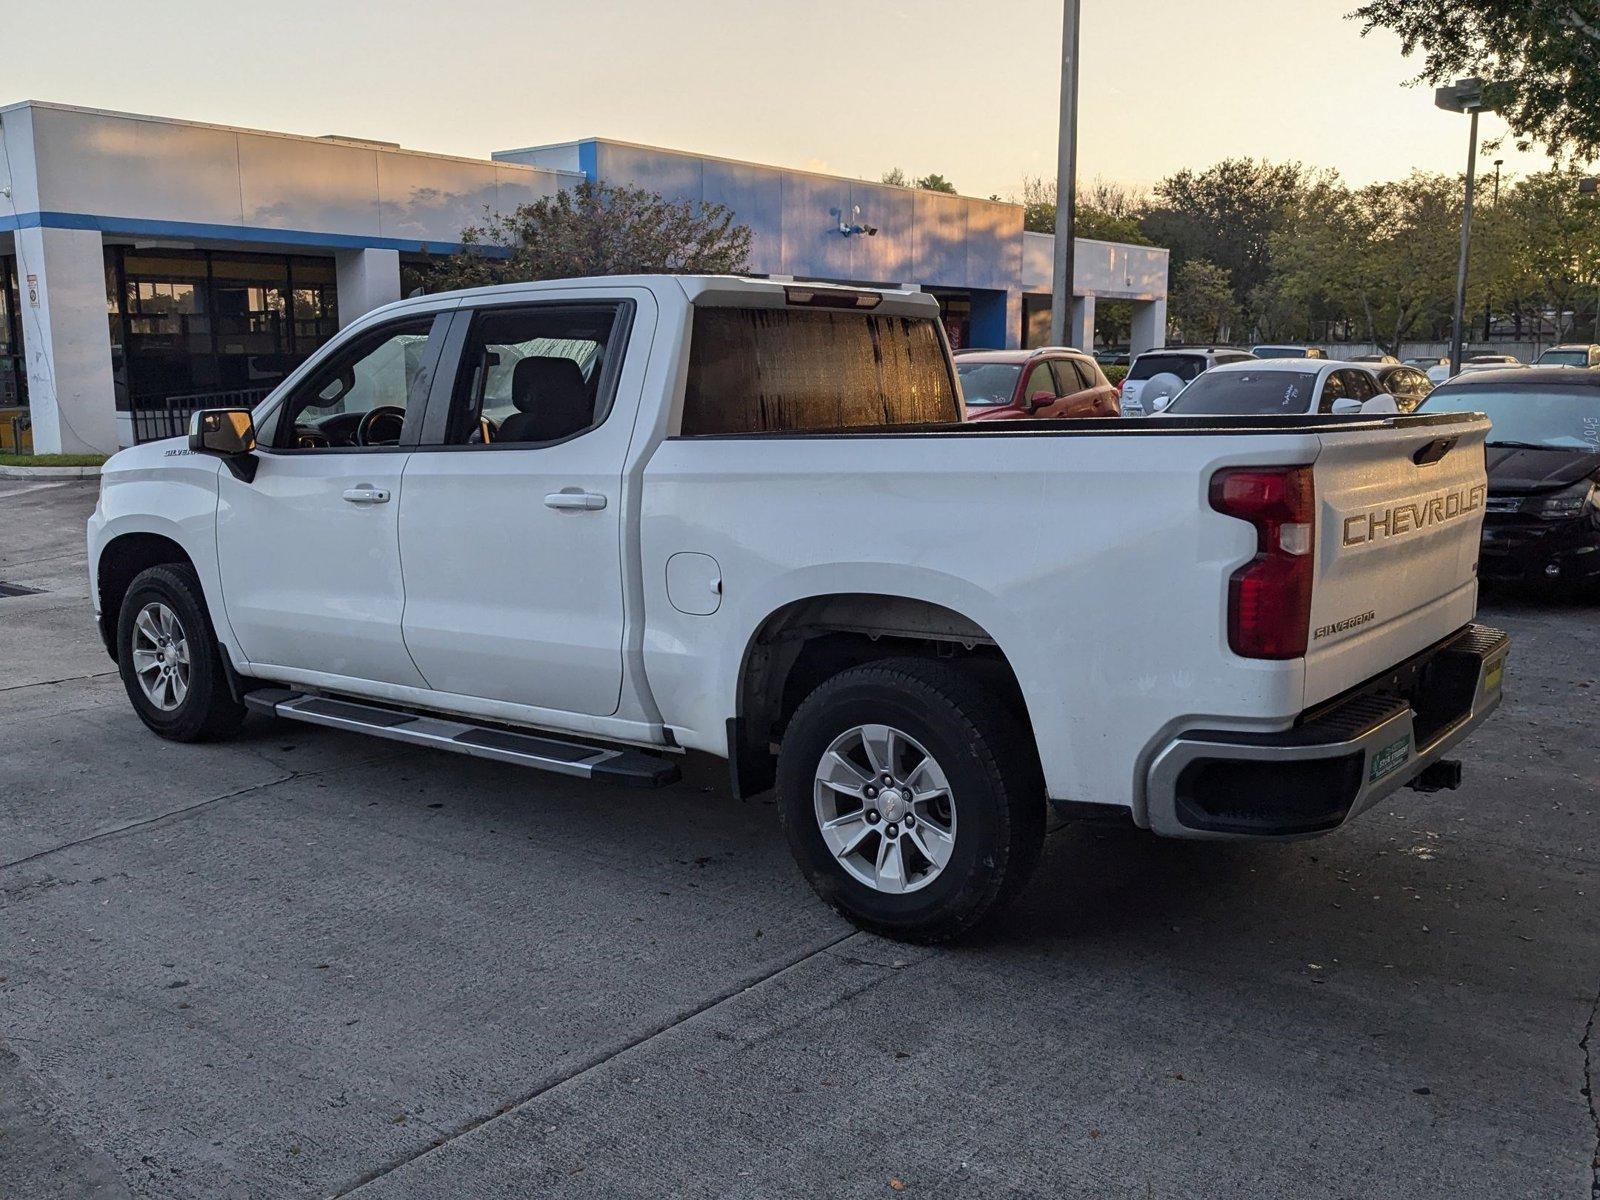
x=169 y=659
x=911 y=798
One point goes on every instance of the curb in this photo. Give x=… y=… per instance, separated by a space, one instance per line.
x=49 y=472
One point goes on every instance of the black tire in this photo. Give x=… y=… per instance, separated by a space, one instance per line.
x=992 y=769
x=207 y=709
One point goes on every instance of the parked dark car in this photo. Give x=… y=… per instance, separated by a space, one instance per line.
x=1004 y=385
x=1542 y=515
x=1408 y=385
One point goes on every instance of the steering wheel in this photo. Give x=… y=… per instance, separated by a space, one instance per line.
x=370 y=433
x=484 y=425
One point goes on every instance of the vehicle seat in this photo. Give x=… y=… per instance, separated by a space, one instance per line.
x=551 y=398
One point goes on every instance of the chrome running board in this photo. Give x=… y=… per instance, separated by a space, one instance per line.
x=634 y=768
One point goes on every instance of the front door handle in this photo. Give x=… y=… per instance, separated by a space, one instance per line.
x=579 y=500
x=366 y=495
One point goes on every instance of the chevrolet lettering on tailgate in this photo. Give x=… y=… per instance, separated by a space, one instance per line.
x=1396 y=519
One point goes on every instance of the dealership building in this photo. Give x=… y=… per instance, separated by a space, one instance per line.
x=150 y=266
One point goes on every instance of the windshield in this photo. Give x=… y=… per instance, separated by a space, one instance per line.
x=1553 y=419
x=1240 y=393
x=1564 y=358
x=1279 y=352
x=987 y=384
x=1184 y=366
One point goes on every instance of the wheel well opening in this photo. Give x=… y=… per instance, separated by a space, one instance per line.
x=806 y=643
x=121 y=560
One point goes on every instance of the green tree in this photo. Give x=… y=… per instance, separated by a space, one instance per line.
x=1227 y=214
x=1543 y=244
x=896 y=177
x=597 y=229
x=1381 y=256
x=1200 y=305
x=1107 y=211
x=1544 y=55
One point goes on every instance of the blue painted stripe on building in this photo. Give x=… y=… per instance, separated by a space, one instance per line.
x=234 y=233
x=589 y=160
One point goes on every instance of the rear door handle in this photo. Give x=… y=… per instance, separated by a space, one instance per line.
x=366 y=495
x=580 y=500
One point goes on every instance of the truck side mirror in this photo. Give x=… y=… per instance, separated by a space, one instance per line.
x=228 y=433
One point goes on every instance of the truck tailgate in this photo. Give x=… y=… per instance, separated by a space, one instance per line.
x=1399 y=518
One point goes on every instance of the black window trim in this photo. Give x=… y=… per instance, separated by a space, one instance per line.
x=442 y=393
x=423 y=384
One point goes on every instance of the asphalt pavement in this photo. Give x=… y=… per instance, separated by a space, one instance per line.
x=306 y=964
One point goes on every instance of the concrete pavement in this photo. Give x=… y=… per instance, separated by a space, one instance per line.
x=311 y=964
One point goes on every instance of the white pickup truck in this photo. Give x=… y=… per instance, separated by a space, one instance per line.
x=589 y=525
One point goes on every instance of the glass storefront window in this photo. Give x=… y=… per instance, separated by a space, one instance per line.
x=200 y=325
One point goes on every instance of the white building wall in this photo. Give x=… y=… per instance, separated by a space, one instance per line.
x=367 y=279
x=66 y=340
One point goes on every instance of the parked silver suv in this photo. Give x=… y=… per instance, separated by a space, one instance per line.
x=1156 y=376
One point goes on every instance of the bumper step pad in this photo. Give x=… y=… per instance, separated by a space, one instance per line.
x=633 y=768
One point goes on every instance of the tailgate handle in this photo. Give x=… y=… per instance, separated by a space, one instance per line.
x=1432 y=452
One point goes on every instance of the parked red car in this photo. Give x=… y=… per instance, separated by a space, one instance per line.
x=1006 y=385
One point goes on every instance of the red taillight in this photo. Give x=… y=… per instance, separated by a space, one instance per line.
x=1269 y=598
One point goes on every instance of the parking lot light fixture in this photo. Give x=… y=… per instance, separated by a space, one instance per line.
x=1463 y=96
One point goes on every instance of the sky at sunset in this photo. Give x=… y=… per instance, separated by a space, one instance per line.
x=968 y=90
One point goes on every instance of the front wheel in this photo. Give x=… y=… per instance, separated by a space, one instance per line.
x=911 y=798
x=169 y=659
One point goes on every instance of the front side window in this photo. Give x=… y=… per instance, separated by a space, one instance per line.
x=1333 y=388
x=362 y=394
x=769 y=370
x=1362 y=386
x=1040 y=383
x=532 y=375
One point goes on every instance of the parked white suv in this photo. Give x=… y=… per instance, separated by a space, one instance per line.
x=588 y=525
x=1156 y=376
x=1285 y=387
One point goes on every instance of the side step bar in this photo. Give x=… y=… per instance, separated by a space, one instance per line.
x=634 y=768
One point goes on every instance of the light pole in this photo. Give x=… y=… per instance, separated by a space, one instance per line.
x=1488 y=318
x=1590 y=187
x=1066 y=180
x=1464 y=95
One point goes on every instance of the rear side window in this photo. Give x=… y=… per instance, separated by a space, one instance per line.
x=770 y=370
x=1088 y=373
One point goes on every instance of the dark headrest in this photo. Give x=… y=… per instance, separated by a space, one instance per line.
x=544 y=381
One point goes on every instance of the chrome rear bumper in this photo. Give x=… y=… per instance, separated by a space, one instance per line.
x=1338 y=760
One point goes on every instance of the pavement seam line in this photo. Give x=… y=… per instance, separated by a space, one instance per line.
x=1587 y=1045
x=140 y=824
x=17 y=687
x=589 y=1064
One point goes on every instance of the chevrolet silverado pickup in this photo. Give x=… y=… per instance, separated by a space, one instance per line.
x=587 y=526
